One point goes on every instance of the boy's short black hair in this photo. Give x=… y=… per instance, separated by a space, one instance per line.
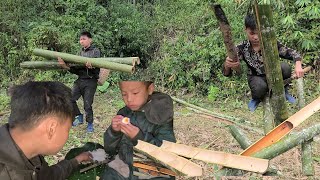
x=34 y=101
x=250 y=22
x=86 y=33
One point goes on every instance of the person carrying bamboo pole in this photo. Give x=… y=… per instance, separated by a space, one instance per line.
x=147 y=116
x=250 y=52
x=86 y=84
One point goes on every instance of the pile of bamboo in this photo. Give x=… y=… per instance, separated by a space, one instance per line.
x=126 y=64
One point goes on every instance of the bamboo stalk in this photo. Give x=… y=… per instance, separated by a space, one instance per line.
x=306 y=158
x=306 y=148
x=40 y=65
x=271 y=61
x=284 y=128
x=288 y=142
x=300 y=92
x=96 y=62
x=268 y=117
x=224 y=121
x=218 y=115
x=242 y=139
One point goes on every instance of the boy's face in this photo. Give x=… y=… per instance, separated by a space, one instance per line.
x=135 y=93
x=85 y=41
x=58 y=137
x=252 y=36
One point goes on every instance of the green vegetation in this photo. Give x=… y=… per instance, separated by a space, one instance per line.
x=179 y=39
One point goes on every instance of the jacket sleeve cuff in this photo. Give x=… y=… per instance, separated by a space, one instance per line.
x=74 y=163
x=139 y=136
x=114 y=133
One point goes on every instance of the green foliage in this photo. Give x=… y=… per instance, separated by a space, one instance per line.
x=213 y=93
x=178 y=39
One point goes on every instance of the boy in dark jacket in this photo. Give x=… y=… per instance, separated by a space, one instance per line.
x=151 y=120
x=86 y=84
x=250 y=52
x=39 y=124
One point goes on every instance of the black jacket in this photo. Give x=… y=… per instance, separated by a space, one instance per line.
x=14 y=165
x=81 y=70
x=155 y=121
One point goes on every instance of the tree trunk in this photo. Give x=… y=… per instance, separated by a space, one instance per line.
x=271 y=61
x=242 y=139
x=96 y=62
x=226 y=31
x=288 y=143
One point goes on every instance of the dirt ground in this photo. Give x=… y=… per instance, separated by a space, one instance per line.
x=198 y=131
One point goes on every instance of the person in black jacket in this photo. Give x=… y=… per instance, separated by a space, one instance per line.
x=39 y=124
x=86 y=84
x=151 y=120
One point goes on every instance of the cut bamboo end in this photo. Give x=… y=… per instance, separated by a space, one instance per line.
x=284 y=128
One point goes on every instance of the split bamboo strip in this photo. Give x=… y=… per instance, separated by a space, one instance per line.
x=217 y=157
x=288 y=143
x=177 y=164
x=284 y=128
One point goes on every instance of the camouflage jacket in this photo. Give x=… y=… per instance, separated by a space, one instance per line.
x=254 y=59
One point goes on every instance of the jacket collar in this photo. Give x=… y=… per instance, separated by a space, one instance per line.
x=88 y=48
x=11 y=154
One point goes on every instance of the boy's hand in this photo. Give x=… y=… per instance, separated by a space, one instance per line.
x=89 y=65
x=230 y=64
x=116 y=123
x=85 y=156
x=298 y=69
x=62 y=63
x=129 y=130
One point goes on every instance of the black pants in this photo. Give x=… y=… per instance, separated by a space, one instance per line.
x=259 y=85
x=85 y=88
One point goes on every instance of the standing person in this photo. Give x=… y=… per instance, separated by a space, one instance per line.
x=86 y=84
x=39 y=124
x=151 y=120
x=250 y=52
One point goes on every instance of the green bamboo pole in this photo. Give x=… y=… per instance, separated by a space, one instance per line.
x=271 y=61
x=218 y=115
x=300 y=92
x=306 y=158
x=242 y=139
x=47 y=65
x=268 y=117
x=96 y=62
x=288 y=142
x=306 y=148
